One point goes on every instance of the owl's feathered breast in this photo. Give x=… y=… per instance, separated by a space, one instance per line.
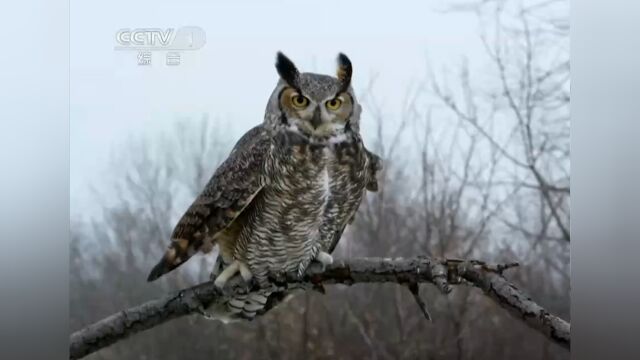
x=312 y=192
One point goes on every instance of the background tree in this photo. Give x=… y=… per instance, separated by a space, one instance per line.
x=485 y=175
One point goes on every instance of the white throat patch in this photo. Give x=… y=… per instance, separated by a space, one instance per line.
x=337 y=134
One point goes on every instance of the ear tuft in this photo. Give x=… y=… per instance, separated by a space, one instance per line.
x=344 y=71
x=287 y=70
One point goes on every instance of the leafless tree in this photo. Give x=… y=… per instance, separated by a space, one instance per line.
x=523 y=120
x=488 y=179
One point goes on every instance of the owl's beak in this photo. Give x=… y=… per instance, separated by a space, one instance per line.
x=316 y=120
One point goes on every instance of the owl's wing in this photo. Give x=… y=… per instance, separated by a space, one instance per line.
x=231 y=189
x=373 y=167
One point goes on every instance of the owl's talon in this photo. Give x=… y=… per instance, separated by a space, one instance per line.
x=245 y=272
x=220 y=282
x=316 y=267
x=324 y=258
x=320 y=262
x=227 y=274
x=231 y=270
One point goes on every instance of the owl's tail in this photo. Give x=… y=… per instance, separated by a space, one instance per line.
x=240 y=307
x=248 y=306
x=178 y=252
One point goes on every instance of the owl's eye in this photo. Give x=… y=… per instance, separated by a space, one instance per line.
x=334 y=104
x=299 y=101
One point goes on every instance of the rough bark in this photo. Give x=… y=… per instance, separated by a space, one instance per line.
x=441 y=272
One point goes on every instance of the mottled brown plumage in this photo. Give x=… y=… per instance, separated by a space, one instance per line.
x=285 y=193
x=230 y=190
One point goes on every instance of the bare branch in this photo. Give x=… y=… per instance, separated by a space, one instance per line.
x=440 y=272
x=519 y=305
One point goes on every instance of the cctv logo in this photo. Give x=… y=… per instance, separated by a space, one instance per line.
x=144 y=37
x=184 y=38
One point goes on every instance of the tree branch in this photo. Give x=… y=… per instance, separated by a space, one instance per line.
x=441 y=272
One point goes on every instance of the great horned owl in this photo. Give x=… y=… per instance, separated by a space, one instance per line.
x=288 y=188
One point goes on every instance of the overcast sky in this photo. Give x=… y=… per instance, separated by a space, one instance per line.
x=232 y=76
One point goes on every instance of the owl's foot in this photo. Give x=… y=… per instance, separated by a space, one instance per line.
x=231 y=270
x=319 y=264
x=324 y=258
x=245 y=273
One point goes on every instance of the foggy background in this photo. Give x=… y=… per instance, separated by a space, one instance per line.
x=232 y=76
x=468 y=105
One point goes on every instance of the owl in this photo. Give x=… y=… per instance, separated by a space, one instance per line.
x=283 y=197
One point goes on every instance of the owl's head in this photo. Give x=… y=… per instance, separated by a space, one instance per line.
x=313 y=105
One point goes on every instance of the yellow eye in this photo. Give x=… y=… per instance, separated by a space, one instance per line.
x=334 y=104
x=299 y=101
